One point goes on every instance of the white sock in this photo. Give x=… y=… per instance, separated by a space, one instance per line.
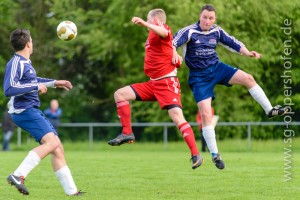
x=30 y=162
x=66 y=180
x=210 y=138
x=259 y=95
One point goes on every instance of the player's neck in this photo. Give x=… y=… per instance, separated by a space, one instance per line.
x=23 y=53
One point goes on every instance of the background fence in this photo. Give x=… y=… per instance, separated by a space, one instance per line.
x=90 y=128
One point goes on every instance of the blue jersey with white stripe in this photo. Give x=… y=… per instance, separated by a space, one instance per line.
x=199 y=47
x=21 y=84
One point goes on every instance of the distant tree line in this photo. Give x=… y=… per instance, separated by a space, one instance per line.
x=109 y=50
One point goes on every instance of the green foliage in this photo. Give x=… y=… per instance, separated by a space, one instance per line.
x=7 y=9
x=109 y=50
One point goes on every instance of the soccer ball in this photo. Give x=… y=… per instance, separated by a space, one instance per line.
x=66 y=30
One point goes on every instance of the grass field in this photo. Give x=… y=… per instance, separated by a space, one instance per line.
x=151 y=171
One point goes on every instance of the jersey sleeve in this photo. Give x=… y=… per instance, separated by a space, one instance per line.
x=229 y=41
x=167 y=28
x=44 y=80
x=169 y=37
x=47 y=81
x=12 y=86
x=180 y=38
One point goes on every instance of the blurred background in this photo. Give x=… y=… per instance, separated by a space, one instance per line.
x=108 y=53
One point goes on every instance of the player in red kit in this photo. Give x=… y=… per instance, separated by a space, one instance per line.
x=163 y=86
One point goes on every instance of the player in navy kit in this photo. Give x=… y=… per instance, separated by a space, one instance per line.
x=23 y=86
x=163 y=85
x=199 y=42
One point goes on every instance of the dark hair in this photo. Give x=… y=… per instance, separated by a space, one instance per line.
x=19 y=38
x=208 y=7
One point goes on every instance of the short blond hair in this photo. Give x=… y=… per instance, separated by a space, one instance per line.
x=160 y=13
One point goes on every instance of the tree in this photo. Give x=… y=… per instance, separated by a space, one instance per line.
x=108 y=53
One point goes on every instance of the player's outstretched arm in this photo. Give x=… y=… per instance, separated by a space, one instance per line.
x=159 y=30
x=67 y=85
x=246 y=52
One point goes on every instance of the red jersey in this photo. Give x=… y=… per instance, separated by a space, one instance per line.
x=159 y=52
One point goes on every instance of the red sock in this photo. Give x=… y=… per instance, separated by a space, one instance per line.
x=188 y=135
x=124 y=112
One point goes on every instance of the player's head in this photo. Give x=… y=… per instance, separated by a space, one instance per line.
x=20 y=39
x=156 y=15
x=207 y=17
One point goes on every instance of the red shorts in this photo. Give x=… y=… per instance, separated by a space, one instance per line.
x=166 y=91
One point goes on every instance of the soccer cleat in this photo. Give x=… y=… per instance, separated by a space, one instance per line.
x=218 y=162
x=18 y=182
x=121 y=139
x=79 y=193
x=277 y=111
x=197 y=161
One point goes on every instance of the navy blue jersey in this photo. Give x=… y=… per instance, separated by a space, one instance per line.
x=21 y=84
x=199 y=47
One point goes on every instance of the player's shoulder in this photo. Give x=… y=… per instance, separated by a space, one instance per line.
x=13 y=60
x=218 y=28
x=17 y=59
x=166 y=26
x=215 y=27
x=187 y=29
x=192 y=26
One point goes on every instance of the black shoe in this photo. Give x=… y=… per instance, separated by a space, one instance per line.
x=197 y=161
x=277 y=111
x=79 y=193
x=218 y=162
x=121 y=139
x=18 y=182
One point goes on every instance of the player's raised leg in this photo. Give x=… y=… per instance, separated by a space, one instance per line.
x=208 y=131
x=187 y=134
x=247 y=80
x=122 y=97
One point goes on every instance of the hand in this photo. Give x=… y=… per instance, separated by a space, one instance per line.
x=67 y=85
x=176 y=59
x=138 y=21
x=246 y=52
x=254 y=54
x=42 y=88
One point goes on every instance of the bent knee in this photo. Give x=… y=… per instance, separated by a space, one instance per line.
x=59 y=151
x=124 y=94
x=206 y=117
x=250 y=80
x=118 y=94
x=54 y=145
x=176 y=115
x=51 y=141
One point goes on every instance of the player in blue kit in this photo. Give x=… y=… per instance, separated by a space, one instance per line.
x=23 y=86
x=199 y=42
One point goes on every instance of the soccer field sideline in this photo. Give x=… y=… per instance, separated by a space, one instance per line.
x=147 y=171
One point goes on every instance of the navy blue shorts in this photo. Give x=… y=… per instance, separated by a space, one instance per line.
x=33 y=121
x=203 y=81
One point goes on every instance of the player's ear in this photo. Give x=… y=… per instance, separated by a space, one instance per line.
x=28 y=44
